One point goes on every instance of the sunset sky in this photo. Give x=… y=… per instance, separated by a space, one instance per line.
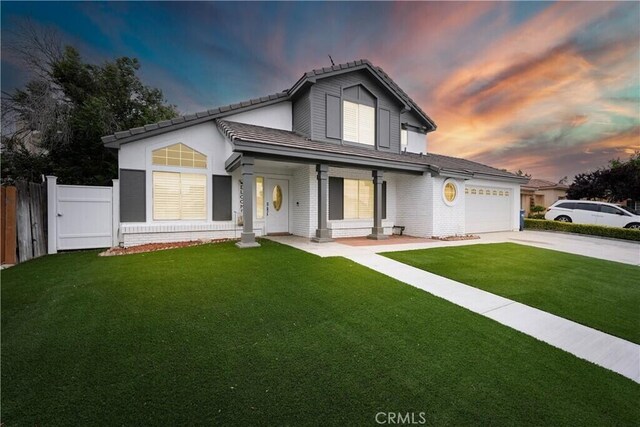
x=549 y=88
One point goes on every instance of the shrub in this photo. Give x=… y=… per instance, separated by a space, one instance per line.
x=592 y=230
x=536 y=215
x=537 y=208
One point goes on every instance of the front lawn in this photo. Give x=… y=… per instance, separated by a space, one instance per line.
x=216 y=335
x=604 y=295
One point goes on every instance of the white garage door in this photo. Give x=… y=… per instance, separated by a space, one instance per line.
x=487 y=209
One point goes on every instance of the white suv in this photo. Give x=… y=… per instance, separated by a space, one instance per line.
x=588 y=212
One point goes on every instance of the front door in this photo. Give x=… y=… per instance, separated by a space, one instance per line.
x=277 y=206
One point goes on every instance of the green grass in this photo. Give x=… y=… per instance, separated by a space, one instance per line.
x=217 y=335
x=601 y=294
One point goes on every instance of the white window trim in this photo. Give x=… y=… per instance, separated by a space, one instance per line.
x=456 y=186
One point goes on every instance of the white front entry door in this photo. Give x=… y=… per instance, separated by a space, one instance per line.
x=277 y=205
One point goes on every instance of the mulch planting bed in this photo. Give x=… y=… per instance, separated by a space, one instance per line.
x=152 y=247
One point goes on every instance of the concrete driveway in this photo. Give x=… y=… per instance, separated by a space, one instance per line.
x=627 y=252
x=608 y=249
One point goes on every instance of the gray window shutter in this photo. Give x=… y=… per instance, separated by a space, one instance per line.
x=385 y=129
x=336 y=198
x=333 y=117
x=221 y=196
x=384 y=199
x=133 y=201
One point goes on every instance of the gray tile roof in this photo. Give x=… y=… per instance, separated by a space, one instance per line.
x=540 y=184
x=117 y=138
x=275 y=137
x=194 y=118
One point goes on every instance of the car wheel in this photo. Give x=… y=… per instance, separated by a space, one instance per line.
x=563 y=218
x=633 y=225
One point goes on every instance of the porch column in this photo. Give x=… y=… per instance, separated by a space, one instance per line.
x=377 y=232
x=248 y=237
x=322 y=233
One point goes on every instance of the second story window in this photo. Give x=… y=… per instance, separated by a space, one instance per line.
x=359 y=123
x=404 y=138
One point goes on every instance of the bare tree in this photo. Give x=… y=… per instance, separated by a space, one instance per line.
x=39 y=112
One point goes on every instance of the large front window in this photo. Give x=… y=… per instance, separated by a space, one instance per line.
x=179 y=196
x=358 y=199
x=359 y=123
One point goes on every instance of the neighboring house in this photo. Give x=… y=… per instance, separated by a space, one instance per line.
x=538 y=192
x=342 y=153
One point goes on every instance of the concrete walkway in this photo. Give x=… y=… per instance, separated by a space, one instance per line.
x=610 y=352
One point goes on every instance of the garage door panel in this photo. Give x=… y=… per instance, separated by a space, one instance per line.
x=487 y=209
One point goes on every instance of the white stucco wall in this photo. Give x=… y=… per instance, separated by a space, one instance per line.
x=277 y=116
x=203 y=137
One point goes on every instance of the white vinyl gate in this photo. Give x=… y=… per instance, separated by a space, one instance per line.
x=80 y=217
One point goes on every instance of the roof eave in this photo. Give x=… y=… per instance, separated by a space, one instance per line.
x=112 y=141
x=258 y=147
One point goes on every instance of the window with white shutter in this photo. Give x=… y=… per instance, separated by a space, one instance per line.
x=358 y=199
x=359 y=123
x=179 y=196
x=366 y=125
x=350 y=127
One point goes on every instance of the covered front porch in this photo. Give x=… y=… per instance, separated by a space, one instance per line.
x=318 y=201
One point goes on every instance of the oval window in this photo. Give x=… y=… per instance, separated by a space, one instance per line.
x=277 y=198
x=450 y=192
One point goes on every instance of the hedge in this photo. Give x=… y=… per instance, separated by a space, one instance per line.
x=592 y=230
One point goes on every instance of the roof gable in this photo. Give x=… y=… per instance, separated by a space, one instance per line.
x=311 y=77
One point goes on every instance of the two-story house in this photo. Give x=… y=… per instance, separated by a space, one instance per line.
x=342 y=153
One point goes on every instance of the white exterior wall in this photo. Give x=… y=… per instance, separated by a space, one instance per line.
x=421 y=208
x=303 y=217
x=277 y=116
x=447 y=220
x=207 y=139
x=413 y=208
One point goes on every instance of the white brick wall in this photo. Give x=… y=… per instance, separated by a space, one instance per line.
x=447 y=220
x=414 y=204
x=304 y=205
x=139 y=234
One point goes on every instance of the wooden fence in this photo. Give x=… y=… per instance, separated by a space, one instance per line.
x=8 y=238
x=24 y=219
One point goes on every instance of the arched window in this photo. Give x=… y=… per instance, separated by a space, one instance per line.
x=179 y=155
